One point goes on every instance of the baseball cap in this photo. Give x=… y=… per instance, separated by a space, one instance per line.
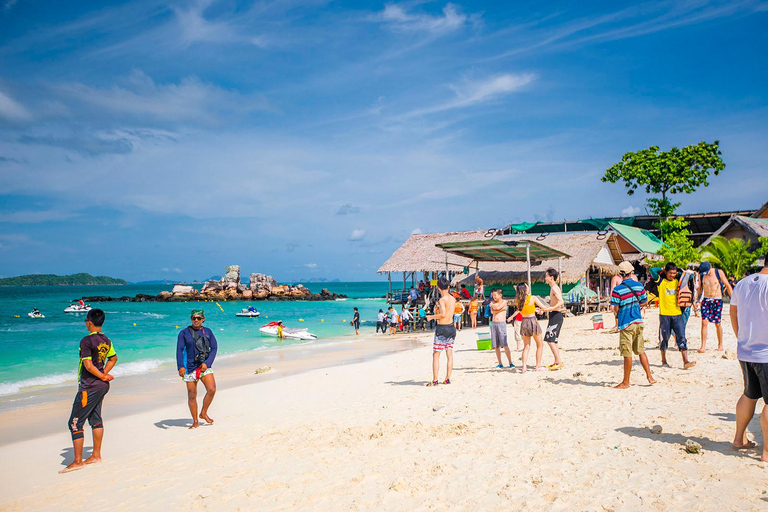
x=626 y=267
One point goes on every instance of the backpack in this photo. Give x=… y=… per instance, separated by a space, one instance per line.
x=202 y=345
x=685 y=293
x=652 y=287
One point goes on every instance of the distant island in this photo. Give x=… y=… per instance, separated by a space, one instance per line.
x=54 y=280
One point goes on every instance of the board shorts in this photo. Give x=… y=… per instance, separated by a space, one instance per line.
x=712 y=310
x=499 y=335
x=553 y=327
x=192 y=377
x=445 y=335
x=87 y=406
x=631 y=340
x=356 y=325
x=529 y=326
x=755 y=380
x=456 y=318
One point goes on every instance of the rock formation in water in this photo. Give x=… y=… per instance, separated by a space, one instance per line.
x=229 y=287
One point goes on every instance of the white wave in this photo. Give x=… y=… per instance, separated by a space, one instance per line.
x=57 y=379
x=154 y=315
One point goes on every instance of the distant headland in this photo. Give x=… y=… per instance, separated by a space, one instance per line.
x=55 y=280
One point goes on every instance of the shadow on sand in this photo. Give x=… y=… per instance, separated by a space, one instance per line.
x=180 y=422
x=68 y=454
x=408 y=382
x=726 y=448
x=576 y=382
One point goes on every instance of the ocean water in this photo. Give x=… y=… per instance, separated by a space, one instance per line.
x=44 y=352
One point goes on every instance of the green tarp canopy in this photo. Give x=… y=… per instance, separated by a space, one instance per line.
x=522 y=227
x=576 y=294
x=642 y=239
x=502 y=250
x=602 y=223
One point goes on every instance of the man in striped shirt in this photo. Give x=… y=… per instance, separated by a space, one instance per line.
x=626 y=300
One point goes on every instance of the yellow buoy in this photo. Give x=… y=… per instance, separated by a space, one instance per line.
x=177 y=326
x=134 y=324
x=16 y=316
x=266 y=317
x=322 y=319
x=301 y=319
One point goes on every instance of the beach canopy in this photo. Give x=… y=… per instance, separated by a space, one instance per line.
x=642 y=239
x=576 y=294
x=502 y=250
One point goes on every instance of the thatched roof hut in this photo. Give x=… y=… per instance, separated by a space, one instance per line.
x=419 y=253
x=588 y=250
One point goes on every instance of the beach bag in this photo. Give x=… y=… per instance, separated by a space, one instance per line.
x=685 y=294
x=202 y=345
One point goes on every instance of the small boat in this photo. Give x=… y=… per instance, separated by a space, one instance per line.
x=296 y=334
x=77 y=308
x=35 y=314
x=252 y=313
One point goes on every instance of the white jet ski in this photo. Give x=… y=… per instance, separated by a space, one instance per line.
x=35 y=314
x=296 y=334
x=77 y=308
x=248 y=313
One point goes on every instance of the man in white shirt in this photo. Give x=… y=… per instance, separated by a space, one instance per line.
x=749 y=319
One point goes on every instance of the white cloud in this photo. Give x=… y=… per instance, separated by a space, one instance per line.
x=357 y=235
x=7 y=4
x=630 y=211
x=397 y=17
x=36 y=216
x=196 y=28
x=417 y=231
x=479 y=91
x=11 y=109
x=174 y=269
x=189 y=99
x=347 y=209
x=310 y=265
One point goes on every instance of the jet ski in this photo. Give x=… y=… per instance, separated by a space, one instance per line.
x=252 y=313
x=296 y=334
x=35 y=314
x=77 y=308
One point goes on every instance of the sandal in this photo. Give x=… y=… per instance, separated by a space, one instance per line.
x=554 y=366
x=447 y=381
x=433 y=383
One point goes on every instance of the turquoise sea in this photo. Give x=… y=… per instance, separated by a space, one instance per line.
x=44 y=352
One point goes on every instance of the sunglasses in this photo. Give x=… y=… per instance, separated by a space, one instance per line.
x=198 y=318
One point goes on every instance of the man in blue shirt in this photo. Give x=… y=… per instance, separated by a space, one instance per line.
x=195 y=351
x=626 y=300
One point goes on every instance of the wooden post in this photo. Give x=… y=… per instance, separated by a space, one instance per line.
x=528 y=260
x=389 y=278
x=586 y=287
x=599 y=289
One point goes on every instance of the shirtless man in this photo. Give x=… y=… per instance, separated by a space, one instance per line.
x=556 y=316
x=499 y=327
x=713 y=282
x=615 y=281
x=445 y=332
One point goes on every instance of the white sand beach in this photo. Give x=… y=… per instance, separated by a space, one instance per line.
x=370 y=436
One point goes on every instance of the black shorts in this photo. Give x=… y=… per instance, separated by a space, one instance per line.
x=755 y=380
x=87 y=406
x=357 y=325
x=553 y=327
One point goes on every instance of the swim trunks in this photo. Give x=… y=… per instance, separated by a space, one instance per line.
x=712 y=310
x=445 y=335
x=456 y=319
x=755 y=380
x=192 y=376
x=499 y=335
x=554 y=326
x=529 y=326
x=87 y=406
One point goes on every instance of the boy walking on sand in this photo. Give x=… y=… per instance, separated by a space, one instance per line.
x=499 y=327
x=626 y=300
x=671 y=317
x=713 y=284
x=97 y=358
x=445 y=332
x=556 y=317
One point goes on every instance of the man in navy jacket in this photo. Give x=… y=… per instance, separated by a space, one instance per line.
x=195 y=351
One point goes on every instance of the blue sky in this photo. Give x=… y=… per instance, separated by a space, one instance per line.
x=156 y=139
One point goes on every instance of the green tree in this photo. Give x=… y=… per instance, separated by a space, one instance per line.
x=678 y=247
x=731 y=256
x=664 y=173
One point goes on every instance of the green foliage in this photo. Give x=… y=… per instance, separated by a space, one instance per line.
x=677 y=171
x=731 y=256
x=54 y=280
x=678 y=247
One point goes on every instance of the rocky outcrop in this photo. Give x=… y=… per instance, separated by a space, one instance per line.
x=260 y=287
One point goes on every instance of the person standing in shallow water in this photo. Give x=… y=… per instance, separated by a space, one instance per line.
x=195 y=352
x=97 y=358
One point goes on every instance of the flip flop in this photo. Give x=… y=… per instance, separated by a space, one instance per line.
x=433 y=383
x=554 y=366
x=447 y=381
x=690 y=365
